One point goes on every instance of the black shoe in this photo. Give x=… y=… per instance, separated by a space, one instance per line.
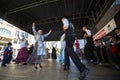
x=36 y=67
x=84 y=74
x=24 y=64
x=16 y=63
x=66 y=68
x=40 y=66
x=4 y=65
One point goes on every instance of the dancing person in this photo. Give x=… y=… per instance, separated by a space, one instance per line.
x=23 y=54
x=89 y=46
x=69 y=51
x=78 y=50
x=39 y=53
x=62 y=50
x=7 y=51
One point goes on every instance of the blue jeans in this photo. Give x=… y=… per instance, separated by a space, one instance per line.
x=5 y=59
x=61 y=57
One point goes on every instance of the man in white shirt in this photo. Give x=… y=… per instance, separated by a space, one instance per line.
x=89 y=46
x=69 y=51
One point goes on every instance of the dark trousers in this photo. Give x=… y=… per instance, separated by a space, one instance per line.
x=67 y=58
x=69 y=52
x=98 y=51
x=104 y=54
x=89 y=52
x=5 y=59
x=9 y=57
x=116 y=58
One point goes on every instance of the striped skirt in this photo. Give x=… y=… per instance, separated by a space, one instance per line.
x=22 y=56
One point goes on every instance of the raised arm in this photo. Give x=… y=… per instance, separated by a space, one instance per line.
x=45 y=35
x=18 y=36
x=33 y=28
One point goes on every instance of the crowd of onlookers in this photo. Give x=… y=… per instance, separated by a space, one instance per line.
x=108 y=50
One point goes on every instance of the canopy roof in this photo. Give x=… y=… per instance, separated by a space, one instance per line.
x=47 y=14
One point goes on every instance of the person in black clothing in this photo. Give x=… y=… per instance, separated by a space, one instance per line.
x=89 y=46
x=101 y=51
x=69 y=51
x=117 y=37
x=54 y=56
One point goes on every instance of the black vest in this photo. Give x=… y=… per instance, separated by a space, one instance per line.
x=90 y=40
x=69 y=36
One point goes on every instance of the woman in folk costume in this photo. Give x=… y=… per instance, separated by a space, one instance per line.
x=39 y=46
x=78 y=50
x=23 y=54
x=62 y=50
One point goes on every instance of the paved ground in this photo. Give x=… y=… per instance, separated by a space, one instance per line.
x=54 y=71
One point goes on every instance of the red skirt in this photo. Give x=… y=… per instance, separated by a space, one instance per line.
x=22 y=56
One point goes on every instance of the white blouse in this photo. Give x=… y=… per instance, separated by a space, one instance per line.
x=23 y=43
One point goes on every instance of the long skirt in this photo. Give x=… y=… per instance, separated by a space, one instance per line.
x=34 y=57
x=39 y=58
x=22 y=56
x=79 y=52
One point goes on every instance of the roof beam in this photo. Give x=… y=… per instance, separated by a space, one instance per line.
x=82 y=6
x=89 y=6
x=57 y=19
x=31 y=5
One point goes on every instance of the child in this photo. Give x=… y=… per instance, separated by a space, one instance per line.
x=7 y=50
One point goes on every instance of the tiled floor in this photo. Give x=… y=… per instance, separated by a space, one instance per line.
x=53 y=70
